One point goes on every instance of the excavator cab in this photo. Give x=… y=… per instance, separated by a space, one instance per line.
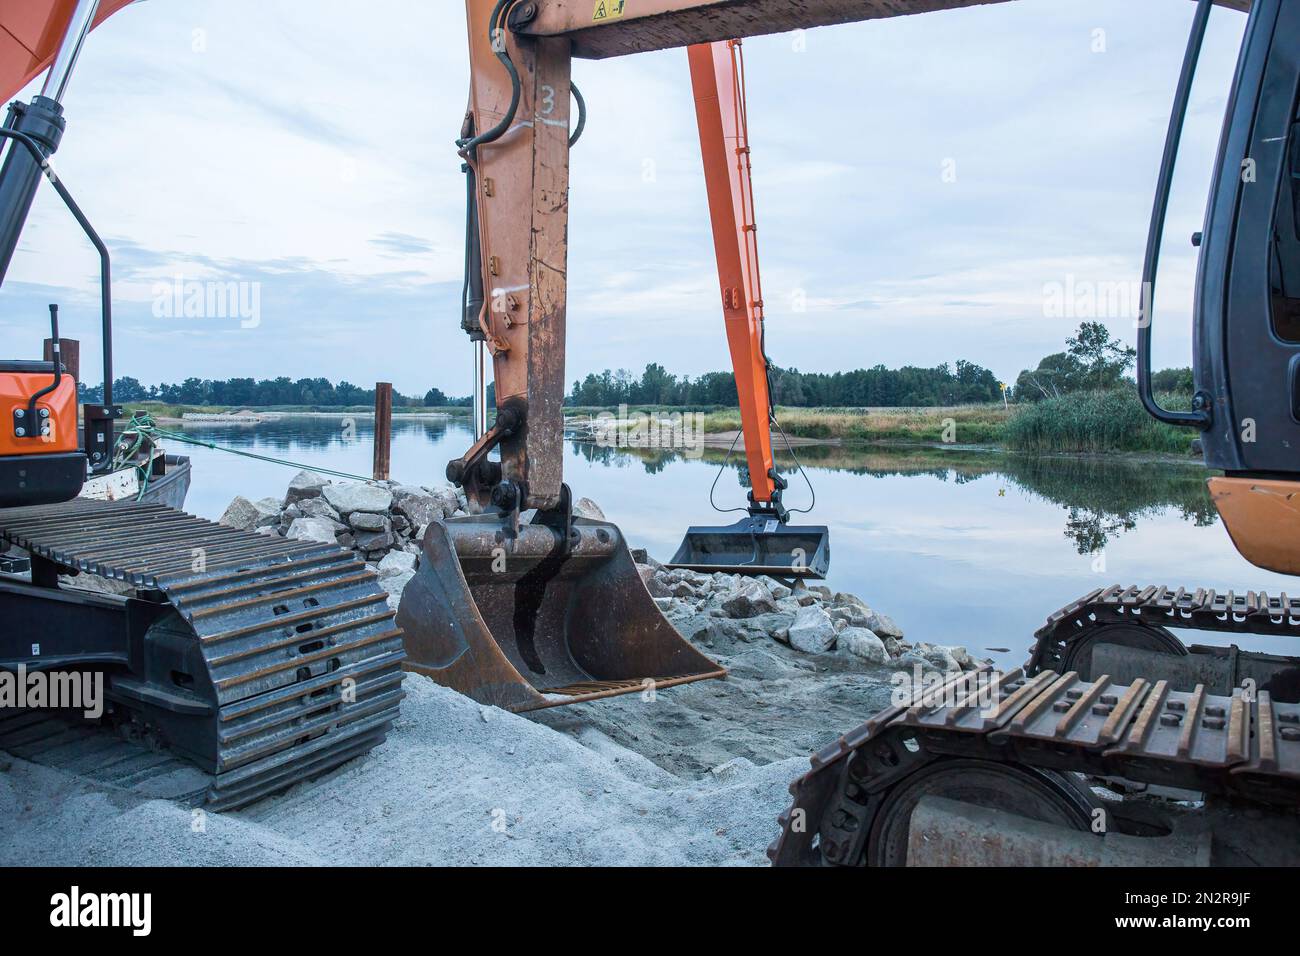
x=1247 y=313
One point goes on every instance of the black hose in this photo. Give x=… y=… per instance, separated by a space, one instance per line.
x=468 y=146
x=582 y=114
x=33 y=419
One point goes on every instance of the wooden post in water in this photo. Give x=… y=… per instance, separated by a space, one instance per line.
x=383 y=429
x=71 y=352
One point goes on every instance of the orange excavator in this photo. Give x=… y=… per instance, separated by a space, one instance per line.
x=1197 y=747
x=1115 y=743
x=763 y=542
x=261 y=662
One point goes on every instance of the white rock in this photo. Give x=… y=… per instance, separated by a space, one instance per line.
x=356 y=496
x=883 y=625
x=369 y=521
x=312 y=529
x=304 y=486
x=842 y=598
x=961 y=656
x=247 y=515
x=750 y=598
x=317 y=508
x=853 y=615
x=861 y=643
x=777 y=589
x=395 y=584
x=396 y=562
x=813 y=631
x=419 y=506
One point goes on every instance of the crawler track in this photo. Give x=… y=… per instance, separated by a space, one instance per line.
x=269 y=661
x=1143 y=731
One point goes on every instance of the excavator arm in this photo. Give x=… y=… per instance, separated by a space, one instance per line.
x=30 y=34
x=717 y=77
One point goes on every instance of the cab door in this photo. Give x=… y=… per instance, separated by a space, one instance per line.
x=1248 y=290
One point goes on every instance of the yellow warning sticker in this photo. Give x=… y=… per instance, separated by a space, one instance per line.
x=608 y=10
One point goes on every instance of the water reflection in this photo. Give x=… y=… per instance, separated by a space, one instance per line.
x=1102 y=498
x=959 y=546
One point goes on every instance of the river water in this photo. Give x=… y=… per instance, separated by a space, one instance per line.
x=959 y=546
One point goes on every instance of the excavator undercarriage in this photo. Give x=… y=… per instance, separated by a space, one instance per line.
x=1053 y=769
x=262 y=661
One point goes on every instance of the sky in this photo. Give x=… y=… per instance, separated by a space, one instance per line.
x=945 y=186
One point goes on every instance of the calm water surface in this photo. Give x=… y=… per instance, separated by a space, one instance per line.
x=960 y=547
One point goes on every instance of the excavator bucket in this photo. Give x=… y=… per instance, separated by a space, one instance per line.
x=530 y=622
x=756 y=545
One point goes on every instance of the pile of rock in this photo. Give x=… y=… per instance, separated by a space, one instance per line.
x=713 y=609
x=382 y=522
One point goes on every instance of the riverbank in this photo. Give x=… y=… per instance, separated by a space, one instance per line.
x=1087 y=423
x=164 y=412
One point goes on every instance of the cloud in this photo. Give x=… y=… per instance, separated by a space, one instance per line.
x=313 y=155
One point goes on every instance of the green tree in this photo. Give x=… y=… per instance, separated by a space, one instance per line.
x=1104 y=360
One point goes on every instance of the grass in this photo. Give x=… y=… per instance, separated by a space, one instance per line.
x=964 y=424
x=1080 y=423
x=1093 y=422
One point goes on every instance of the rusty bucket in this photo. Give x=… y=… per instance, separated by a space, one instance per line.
x=532 y=620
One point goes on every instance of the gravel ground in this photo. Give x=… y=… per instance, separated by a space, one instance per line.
x=696 y=775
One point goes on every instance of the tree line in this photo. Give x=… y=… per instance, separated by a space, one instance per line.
x=1091 y=361
x=960 y=384
x=266 y=392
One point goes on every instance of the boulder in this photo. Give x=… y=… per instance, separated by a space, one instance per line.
x=247 y=515
x=940 y=657
x=853 y=615
x=813 y=631
x=962 y=657
x=369 y=541
x=369 y=521
x=660 y=583
x=317 y=508
x=305 y=485
x=883 y=625
x=843 y=598
x=861 y=643
x=395 y=584
x=776 y=588
x=357 y=496
x=396 y=562
x=418 y=506
x=312 y=529
x=684 y=589
x=749 y=599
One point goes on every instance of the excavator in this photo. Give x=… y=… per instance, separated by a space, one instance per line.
x=1114 y=743
x=235 y=665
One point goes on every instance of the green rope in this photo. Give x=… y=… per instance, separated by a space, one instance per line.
x=144 y=425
